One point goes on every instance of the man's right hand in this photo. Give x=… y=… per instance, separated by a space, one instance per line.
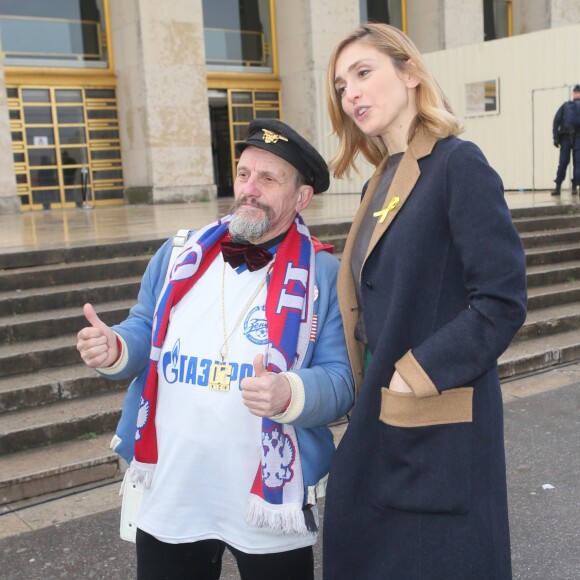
x=556 y=143
x=97 y=343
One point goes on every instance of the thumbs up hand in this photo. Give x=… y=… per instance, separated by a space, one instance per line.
x=265 y=394
x=97 y=343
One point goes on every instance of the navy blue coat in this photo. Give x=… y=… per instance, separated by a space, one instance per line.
x=417 y=489
x=567 y=120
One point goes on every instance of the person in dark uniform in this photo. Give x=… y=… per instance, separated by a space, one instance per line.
x=566 y=132
x=432 y=289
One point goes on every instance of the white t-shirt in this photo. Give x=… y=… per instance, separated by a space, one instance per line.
x=208 y=441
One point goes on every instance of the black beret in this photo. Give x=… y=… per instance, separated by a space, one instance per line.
x=281 y=140
x=576 y=88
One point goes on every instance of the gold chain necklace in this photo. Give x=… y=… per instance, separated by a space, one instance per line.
x=220 y=373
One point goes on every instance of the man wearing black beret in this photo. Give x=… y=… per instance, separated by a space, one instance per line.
x=239 y=352
x=281 y=140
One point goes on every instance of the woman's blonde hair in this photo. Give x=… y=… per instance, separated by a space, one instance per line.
x=434 y=112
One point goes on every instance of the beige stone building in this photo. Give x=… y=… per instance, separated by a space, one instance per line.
x=116 y=101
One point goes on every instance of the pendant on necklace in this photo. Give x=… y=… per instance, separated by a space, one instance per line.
x=219 y=377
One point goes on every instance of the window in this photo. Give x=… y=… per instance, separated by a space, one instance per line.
x=387 y=11
x=65 y=139
x=59 y=33
x=238 y=35
x=497 y=19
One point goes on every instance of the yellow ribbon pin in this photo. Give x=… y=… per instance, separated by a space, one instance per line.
x=383 y=213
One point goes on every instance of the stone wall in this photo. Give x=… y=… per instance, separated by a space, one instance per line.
x=307 y=32
x=9 y=202
x=162 y=96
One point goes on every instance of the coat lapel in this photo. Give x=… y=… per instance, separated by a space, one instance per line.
x=401 y=187
x=347 y=301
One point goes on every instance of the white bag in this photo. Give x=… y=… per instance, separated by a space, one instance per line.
x=133 y=492
x=132 y=497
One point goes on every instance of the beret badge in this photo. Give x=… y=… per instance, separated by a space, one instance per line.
x=271 y=137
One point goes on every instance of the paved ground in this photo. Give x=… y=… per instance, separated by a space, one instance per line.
x=77 y=537
x=544 y=484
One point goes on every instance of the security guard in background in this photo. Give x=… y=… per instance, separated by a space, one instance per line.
x=566 y=131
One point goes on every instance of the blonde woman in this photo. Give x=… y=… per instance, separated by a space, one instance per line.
x=432 y=289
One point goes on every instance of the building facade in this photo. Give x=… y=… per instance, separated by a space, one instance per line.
x=109 y=101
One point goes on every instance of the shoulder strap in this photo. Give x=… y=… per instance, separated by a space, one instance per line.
x=177 y=243
x=179 y=240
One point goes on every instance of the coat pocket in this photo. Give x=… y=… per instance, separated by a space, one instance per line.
x=426 y=447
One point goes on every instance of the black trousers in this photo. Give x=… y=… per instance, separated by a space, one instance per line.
x=203 y=561
x=567 y=149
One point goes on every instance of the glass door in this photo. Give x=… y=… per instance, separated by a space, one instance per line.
x=66 y=146
x=245 y=105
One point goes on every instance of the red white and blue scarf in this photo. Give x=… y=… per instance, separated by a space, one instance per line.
x=276 y=498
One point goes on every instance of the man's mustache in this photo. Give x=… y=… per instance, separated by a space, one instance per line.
x=253 y=202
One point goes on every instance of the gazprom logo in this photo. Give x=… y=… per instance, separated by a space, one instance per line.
x=175 y=353
x=182 y=368
x=171 y=363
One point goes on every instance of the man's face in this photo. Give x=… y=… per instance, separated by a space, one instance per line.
x=267 y=197
x=576 y=95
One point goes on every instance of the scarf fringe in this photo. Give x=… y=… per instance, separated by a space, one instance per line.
x=284 y=518
x=141 y=473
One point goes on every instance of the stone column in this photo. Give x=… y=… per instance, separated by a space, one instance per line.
x=162 y=96
x=463 y=22
x=307 y=31
x=9 y=202
x=564 y=13
x=441 y=24
x=530 y=16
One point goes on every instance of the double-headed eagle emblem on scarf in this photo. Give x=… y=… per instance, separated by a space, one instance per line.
x=278 y=458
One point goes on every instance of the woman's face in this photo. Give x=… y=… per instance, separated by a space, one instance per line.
x=377 y=97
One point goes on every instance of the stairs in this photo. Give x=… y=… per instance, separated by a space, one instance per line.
x=551 y=333
x=57 y=416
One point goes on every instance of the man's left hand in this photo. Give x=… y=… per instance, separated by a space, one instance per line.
x=265 y=394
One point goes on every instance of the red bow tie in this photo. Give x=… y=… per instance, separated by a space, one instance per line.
x=253 y=256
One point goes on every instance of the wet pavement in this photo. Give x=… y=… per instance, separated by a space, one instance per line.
x=78 y=227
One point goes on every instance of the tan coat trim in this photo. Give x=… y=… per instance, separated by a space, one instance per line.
x=406 y=410
x=349 y=307
x=404 y=180
x=414 y=375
